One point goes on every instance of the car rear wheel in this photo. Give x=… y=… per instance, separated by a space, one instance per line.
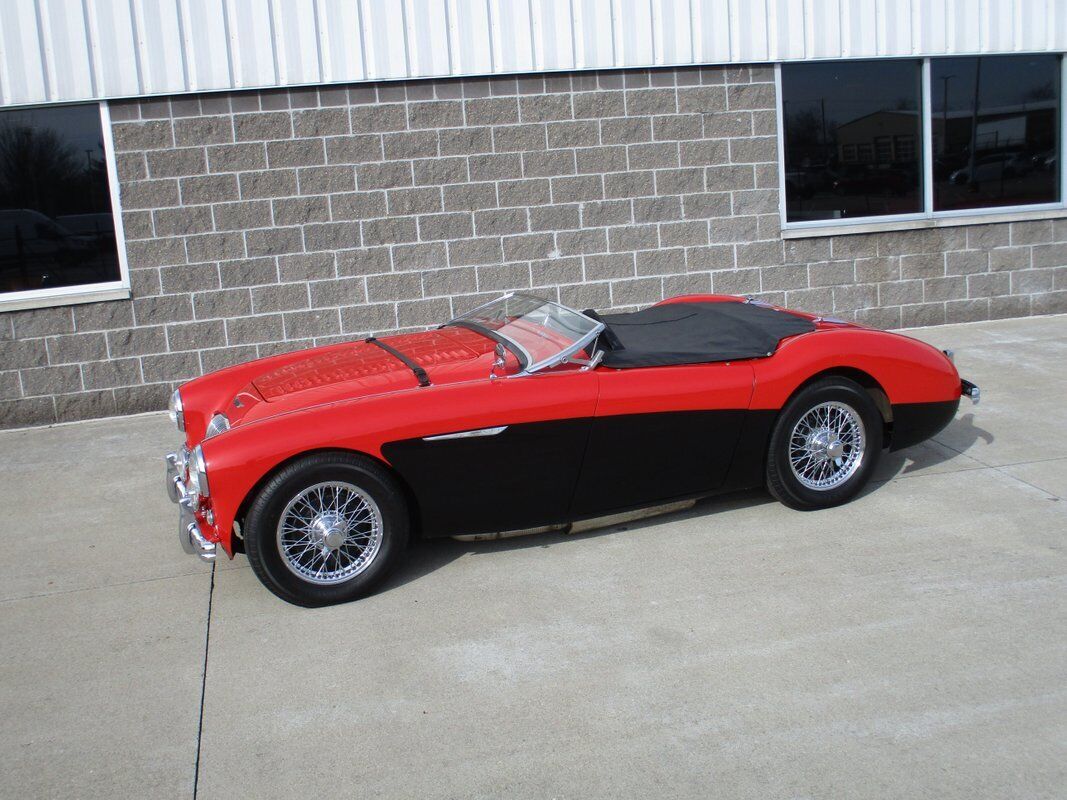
x=825 y=445
x=326 y=529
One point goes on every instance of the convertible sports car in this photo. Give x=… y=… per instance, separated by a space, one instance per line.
x=525 y=414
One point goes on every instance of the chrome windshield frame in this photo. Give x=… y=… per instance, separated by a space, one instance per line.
x=528 y=366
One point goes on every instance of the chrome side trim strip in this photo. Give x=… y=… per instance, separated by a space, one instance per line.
x=466 y=434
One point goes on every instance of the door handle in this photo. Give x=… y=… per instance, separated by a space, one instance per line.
x=466 y=434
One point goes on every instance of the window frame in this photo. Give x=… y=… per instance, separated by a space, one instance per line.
x=928 y=217
x=87 y=292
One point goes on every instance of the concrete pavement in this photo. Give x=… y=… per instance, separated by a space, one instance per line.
x=912 y=643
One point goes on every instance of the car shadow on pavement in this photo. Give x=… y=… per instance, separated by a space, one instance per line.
x=961 y=432
x=427 y=555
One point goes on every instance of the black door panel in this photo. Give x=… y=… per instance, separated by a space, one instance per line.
x=522 y=477
x=641 y=459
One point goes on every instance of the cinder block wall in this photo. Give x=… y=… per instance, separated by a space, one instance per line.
x=258 y=222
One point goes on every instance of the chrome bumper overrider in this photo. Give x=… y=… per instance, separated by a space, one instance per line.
x=189 y=534
x=968 y=389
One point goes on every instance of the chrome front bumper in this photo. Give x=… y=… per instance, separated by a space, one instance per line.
x=189 y=534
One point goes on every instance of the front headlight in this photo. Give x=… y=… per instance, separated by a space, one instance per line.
x=196 y=483
x=177 y=413
x=219 y=424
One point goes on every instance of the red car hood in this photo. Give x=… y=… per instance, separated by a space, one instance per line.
x=359 y=369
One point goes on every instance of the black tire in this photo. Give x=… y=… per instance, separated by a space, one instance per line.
x=784 y=483
x=261 y=526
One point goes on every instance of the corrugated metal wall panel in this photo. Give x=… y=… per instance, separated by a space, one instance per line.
x=68 y=50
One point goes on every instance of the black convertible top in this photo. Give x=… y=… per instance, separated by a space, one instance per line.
x=695 y=333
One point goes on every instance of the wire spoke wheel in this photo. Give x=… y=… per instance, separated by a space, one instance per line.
x=329 y=533
x=827 y=445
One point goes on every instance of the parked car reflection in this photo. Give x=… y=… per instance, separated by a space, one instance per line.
x=37 y=252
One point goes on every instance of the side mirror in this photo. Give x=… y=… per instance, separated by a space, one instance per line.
x=500 y=361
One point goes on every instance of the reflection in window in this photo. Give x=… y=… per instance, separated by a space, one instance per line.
x=850 y=133
x=995 y=120
x=56 y=227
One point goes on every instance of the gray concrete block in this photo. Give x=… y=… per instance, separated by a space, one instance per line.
x=248 y=272
x=417 y=201
x=492 y=111
x=354 y=149
x=390 y=230
x=410 y=144
x=530 y=192
x=657 y=209
x=459 y=225
x=633 y=237
x=511 y=138
x=627 y=130
x=369 y=260
x=274 y=241
x=544 y=108
x=151 y=135
x=367 y=319
x=225 y=303
x=183 y=220
x=388 y=175
x=237 y=157
x=267 y=183
x=609 y=212
x=689 y=180
x=149 y=194
x=296 y=153
x=581 y=242
x=435 y=114
x=209 y=189
x=379 y=118
x=302 y=210
x=176 y=162
x=667 y=261
x=326 y=180
x=242 y=215
x=262 y=127
x=440 y=171
x=629 y=184
x=51 y=380
x=601 y=159
x=577 y=189
x=501 y=221
x=465 y=141
x=320 y=122
x=677 y=127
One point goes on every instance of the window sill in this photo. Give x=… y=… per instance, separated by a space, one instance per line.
x=918 y=223
x=47 y=298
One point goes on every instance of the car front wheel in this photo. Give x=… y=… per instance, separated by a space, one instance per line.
x=326 y=529
x=825 y=445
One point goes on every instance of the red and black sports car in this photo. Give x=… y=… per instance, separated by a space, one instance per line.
x=524 y=413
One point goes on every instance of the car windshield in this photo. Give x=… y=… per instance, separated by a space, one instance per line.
x=539 y=332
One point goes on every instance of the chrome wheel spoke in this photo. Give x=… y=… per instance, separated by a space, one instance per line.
x=330 y=532
x=827 y=445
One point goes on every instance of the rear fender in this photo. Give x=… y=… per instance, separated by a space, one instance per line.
x=907 y=370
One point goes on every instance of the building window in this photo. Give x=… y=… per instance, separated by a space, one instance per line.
x=858 y=145
x=57 y=230
x=839 y=120
x=996 y=121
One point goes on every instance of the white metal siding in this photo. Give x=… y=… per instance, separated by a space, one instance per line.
x=64 y=50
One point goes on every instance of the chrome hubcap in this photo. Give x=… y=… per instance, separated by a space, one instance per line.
x=330 y=532
x=827 y=445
